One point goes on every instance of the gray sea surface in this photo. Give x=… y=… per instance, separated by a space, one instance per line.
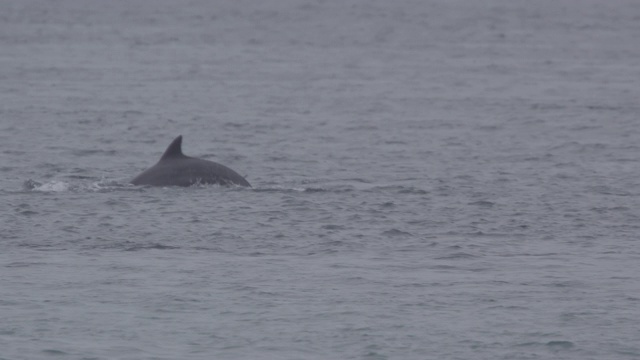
x=431 y=179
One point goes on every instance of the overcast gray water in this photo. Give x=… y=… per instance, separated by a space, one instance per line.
x=431 y=179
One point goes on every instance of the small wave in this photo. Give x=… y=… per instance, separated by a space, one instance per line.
x=54 y=352
x=313 y=190
x=608 y=190
x=482 y=203
x=399 y=189
x=354 y=185
x=578 y=147
x=30 y=184
x=285 y=189
x=150 y=247
x=359 y=180
x=559 y=345
x=91 y=152
x=412 y=190
x=25 y=209
x=458 y=255
x=274 y=189
x=396 y=232
x=51 y=186
x=63 y=186
x=332 y=227
x=337 y=189
x=553 y=345
x=603 y=107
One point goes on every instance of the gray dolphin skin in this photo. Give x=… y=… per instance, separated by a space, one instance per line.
x=177 y=169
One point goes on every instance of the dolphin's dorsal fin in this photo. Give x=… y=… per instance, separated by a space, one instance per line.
x=174 y=150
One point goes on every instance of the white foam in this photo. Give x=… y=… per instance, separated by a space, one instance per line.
x=53 y=186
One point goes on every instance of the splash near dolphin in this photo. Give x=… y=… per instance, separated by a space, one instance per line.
x=177 y=169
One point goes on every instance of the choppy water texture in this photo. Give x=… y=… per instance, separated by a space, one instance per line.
x=432 y=179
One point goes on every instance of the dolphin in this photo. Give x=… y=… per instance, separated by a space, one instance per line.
x=177 y=169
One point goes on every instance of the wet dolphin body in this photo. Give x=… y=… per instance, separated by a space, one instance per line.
x=177 y=169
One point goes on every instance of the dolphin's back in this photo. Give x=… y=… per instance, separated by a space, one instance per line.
x=187 y=172
x=177 y=169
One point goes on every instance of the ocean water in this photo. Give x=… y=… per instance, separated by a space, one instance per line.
x=431 y=180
